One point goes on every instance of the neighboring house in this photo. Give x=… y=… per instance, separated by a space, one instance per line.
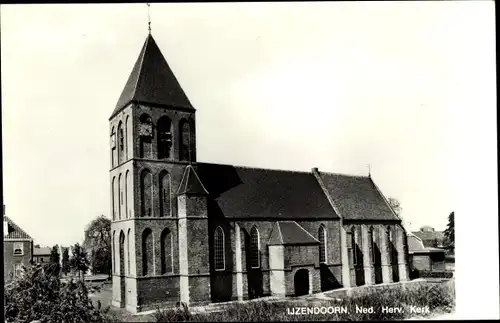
x=201 y=232
x=430 y=237
x=41 y=254
x=17 y=248
x=425 y=258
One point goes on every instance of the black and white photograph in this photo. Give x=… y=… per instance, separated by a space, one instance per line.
x=249 y=161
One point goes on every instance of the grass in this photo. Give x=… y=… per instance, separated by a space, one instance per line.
x=438 y=297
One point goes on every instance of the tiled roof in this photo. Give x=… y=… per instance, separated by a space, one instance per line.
x=190 y=183
x=15 y=232
x=241 y=192
x=43 y=251
x=290 y=233
x=357 y=197
x=152 y=81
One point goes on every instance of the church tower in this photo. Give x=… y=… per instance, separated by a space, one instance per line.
x=153 y=147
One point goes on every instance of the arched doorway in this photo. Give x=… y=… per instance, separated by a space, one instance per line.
x=301 y=282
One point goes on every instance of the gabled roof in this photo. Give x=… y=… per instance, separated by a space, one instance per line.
x=152 y=81
x=191 y=184
x=290 y=233
x=242 y=192
x=15 y=232
x=357 y=197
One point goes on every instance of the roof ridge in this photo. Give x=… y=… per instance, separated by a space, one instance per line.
x=258 y=168
x=343 y=174
x=143 y=53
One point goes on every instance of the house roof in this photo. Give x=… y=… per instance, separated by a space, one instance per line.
x=243 y=192
x=15 y=232
x=357 y=197
x=428 y=237
x=191 y=184
x=152 y=81
x=43 y=251
x=290 y=233
x=416 y=245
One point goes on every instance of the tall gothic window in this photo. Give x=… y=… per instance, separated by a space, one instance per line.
x=113 y=200
x=113 y=249
x=127 y=142
x=322 y=244
x=166 y=252
x=371 y=239
x=165 y=191
x=254 y=248
x=122 y=253
x=164 y=137
x=147 y=252
x=128 y=251
x=113 y=147
x=120 y=196
x=185 y=141
x=127 y=188
x=146 y=193
x=120 y=143
x=353 y=246
x=388 y=239
x=219 y=260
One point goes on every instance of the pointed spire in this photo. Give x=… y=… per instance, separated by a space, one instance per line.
x=152 y=82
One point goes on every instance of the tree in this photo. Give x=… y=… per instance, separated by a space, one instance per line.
x=449 y=233
x=98 y=241
x=395 y=205
x=79 y=261
x=54 y=261
x=37 y=295
x=66 y=267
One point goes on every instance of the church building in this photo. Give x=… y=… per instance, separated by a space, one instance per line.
x=194 y=232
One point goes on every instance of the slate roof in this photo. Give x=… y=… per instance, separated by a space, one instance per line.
x=357 y=197
x=190 y=183
x=15 y=232
x=242 y=192
x=152 y=81
x=290 y=233
x=43 y=251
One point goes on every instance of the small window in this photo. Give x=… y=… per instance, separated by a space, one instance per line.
x=18 y=248
x=322 y=244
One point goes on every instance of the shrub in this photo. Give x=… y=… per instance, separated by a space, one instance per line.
x=39 y=295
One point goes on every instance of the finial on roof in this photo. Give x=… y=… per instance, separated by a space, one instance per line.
x=149 y=18
x=369 y=170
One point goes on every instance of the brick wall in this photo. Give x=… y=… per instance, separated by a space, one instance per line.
x=10 y=259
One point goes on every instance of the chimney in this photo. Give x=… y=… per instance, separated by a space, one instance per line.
x=315 y=170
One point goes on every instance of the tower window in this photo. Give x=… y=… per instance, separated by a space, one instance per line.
x=185 y=141
x=164 y=137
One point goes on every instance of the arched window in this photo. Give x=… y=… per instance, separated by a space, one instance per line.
x=120 y=143
x=113 y=248
x=120 y=196
x=164 y=129
x=147 y=252
x=322 y=244
x=127 y=187
x=185 y=140
x=219 y=260
x=146 y=193
x=353 y=246
x=166 y=252
x=388 y=239
x=254 y=248
x=122 y=253
x=113 y=147
x=128 y=251
x=145 y=136
x=371 y=239
x=127 y=127
x=165 y=194
x=113 y=200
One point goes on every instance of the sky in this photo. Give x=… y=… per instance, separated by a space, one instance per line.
x=332 y=85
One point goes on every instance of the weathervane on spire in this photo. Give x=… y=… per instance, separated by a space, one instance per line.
x=369 y=170
x=149 y=18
